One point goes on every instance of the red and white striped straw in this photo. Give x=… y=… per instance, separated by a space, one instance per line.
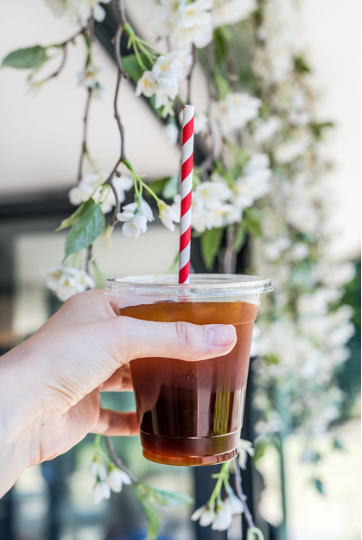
x=187 y=161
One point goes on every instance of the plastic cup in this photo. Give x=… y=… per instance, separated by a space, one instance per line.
x=190 y=413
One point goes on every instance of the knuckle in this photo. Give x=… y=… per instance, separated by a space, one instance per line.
x=184 y=336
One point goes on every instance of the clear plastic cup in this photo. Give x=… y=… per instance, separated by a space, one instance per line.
x=190 y=413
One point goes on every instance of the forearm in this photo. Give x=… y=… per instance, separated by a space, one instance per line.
x=18 y=418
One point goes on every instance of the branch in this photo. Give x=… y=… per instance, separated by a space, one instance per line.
x=117 y=460
x=84 y=148
x=229 y=263
x=120 y=73
x=189 y=76
x=242 y=497
x=64 y=47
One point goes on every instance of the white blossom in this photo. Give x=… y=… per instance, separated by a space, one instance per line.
x=163 y=80
x=212 y=194
x=168 y=215
x=171 y=133
x=66 y=281
x=146 y=85
x=79 y=11
x=88 y=184
x=184 y=23
x=135 y=217
x=232 y=503
x=291 y=150
x=98 y=470
x=274 y=249
x=231 y=11
x=205 y=515
x=234 y=112
x=274 y=60
x=299 y=251
x=255 y=183
x=192 y=24
x=223 y=517
x=265 y=131
x=116 y=478
x=201 y=123
x=245 y=449
x=101 y=491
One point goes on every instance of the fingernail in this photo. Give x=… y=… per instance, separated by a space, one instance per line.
x=220 y=335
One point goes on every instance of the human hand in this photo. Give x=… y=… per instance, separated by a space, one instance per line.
x=50 y=384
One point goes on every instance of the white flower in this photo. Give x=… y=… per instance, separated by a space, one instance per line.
x=334 y=274
x=171 y=133
x=205 y=514
x=201 y=123
x=116 y=479
x=88 y=185
x=245 y=448
x=101 y=491
x=273 y=250
x=225 y=214
x=184 y=23
x=212 y=194
x=265 y=131
x=98 y=470
x=88 y=77
x=255 y=182
x=231 y=11
x=135 y=217
x=168 y=215
x=234 y=112
x=65 y=281
x=291 y=150
x=79 y=10
x=232 y=503
x=274 y=61
x=146 y=85
x=193 y=25
x=223 y=517
x=163 y=80
x=299 y=251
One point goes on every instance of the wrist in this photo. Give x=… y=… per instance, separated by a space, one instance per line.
x=18 y=418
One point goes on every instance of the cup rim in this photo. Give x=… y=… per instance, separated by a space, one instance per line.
x=199 y=284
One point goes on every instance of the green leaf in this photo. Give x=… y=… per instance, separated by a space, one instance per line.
x=252 y=220
x=73 y=218
x=319 y=127
x=254 y=534
x=301 y=66
x=132 y=67
x=91 y=224
x=318 y=485
x=152 y=513
x=170 y=498
x=240 y=237
x=221 y=44
x=158 y=185
x=210 y=244
x=171 y=187
x=32 y=57
x=337 y=445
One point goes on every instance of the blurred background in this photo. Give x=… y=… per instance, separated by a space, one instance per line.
x=39 y=140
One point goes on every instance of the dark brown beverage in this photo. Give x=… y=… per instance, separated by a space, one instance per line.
x=191 y=413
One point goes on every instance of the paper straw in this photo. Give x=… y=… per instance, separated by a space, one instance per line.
x=187 y=162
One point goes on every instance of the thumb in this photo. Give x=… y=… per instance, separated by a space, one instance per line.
x=130 y=338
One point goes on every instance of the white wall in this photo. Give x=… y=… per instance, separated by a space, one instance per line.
x=40 y=134
x=331 y=33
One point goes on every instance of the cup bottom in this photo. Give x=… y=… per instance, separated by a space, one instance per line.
x=190 y=451
x=189 y=461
